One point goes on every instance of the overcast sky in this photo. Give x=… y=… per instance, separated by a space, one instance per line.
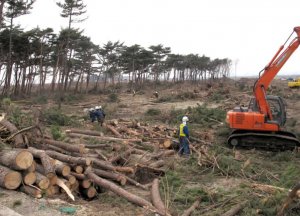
x=247 y=32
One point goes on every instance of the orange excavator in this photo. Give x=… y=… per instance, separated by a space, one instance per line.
x=260 y=125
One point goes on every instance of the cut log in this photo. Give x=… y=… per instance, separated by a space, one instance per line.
x=29 y=178
x=17 y=159
x=103 y=164
x=48 y=168
x=32 y=191
x=61 y=168
x=51 y=176
x=77 y=168
x=42 y=181
x=190 y=210
x=157 y=164
x=69 y=159
x=68 y=147
x=102 y=138
x=167 y=143
x=110 y=175
x=118 y=190
x=52 y=190
x=156 y=198
x=125 y=154
x=235 y=209
x=129 y=131
x=86 y=132
x=18 y=139
x=293 y=194
x=78 y=176
x=89 y=193
x=71 y=179
x=32 y=167
x=137 y=184
x=113 y=130
x=9 y=179
x=100 y=154
x=163 y=154
x=86 y=183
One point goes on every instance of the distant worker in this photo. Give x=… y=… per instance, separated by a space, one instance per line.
x=155 y=94
x=184 y=136
x=92 y=114
x=100 y=114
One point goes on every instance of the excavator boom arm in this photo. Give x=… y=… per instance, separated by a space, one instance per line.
x=270 y=72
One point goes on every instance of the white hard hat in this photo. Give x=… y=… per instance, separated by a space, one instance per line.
x=92 y=109
x=97 y=107
x=185 y=119
x=100 y=107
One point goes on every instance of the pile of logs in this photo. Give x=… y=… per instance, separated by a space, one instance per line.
x=88 y=163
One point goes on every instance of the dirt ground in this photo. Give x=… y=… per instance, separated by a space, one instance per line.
x=135 y=107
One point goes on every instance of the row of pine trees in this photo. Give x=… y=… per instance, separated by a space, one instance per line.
x=37 y=60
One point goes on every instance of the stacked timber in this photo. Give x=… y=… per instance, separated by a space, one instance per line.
x=130 y=153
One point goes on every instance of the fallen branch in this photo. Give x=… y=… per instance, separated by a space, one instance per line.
x=189 y=211
x=235 y=209
x=156 y=198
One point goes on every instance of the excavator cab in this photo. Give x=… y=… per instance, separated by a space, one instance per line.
x=277 y=106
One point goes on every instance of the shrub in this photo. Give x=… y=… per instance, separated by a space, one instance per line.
x=153 y=112
x=113 y=97
x=56 y=132
x=54 y=116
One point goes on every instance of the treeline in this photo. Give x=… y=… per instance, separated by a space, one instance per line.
x=70 y=61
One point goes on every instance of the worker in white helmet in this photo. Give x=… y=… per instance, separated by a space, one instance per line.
x=92 y=114
x=100 y=114
x=184 y=136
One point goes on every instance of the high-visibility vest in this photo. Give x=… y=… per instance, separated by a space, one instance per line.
x=181 y=133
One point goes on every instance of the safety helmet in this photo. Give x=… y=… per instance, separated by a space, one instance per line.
x=92 y=109
x=97 y=107
x=185 y=119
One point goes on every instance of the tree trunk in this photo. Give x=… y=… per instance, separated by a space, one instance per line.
x=18 y=139
x=155 y=197
x=42 y=181
x=9 y=179
x=118 y=190
x=189 y=211
x=18 y=159
x=32 y=191
x=29 y=178
x=86 y=132
x=62 y=168
x=48 y=168
x=69 y=159
x=68 y=147
x=110 y=175
x=89 y=193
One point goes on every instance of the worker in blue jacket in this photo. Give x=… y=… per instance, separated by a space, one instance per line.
x=92 y=114
x=184 y=136
x=100 y=114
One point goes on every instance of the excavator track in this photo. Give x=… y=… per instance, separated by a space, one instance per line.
x=271 y=141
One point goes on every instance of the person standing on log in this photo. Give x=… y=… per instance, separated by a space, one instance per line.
x=100 y=114
x=92 y=114
x=184 y=148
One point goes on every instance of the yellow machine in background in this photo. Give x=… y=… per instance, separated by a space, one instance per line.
x=294 y=84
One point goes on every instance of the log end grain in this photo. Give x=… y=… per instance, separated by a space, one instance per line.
x=66 y=170
x=24 y=159
x=29 y=178
x=12 y=180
